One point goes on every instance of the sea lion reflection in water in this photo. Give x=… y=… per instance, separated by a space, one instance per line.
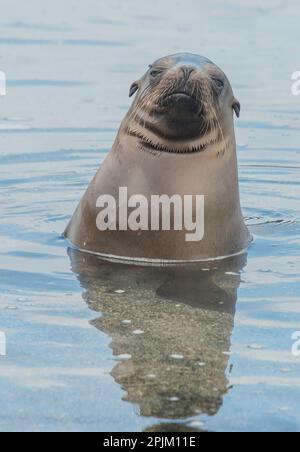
x=177 y=139
x=173 y=325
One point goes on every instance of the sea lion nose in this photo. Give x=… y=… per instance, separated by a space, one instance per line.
x=187 y=71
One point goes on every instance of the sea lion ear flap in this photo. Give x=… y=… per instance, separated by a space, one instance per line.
x=133 y=89
x=237 y=107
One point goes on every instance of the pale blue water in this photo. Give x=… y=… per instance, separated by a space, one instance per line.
x=69 y=67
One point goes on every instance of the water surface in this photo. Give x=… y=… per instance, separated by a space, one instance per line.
x=91 y=346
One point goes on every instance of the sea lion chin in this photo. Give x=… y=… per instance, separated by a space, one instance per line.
x=177 y=140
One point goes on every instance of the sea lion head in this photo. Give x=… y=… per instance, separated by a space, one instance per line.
x=184 y=104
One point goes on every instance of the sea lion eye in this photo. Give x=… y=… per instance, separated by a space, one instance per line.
x=155 y=72
x=219 y=83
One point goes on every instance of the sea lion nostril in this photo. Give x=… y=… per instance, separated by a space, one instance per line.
x=187 y=71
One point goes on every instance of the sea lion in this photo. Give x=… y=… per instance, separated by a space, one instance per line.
x=177 y=139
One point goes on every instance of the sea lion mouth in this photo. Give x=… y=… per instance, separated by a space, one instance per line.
x=147 y=144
